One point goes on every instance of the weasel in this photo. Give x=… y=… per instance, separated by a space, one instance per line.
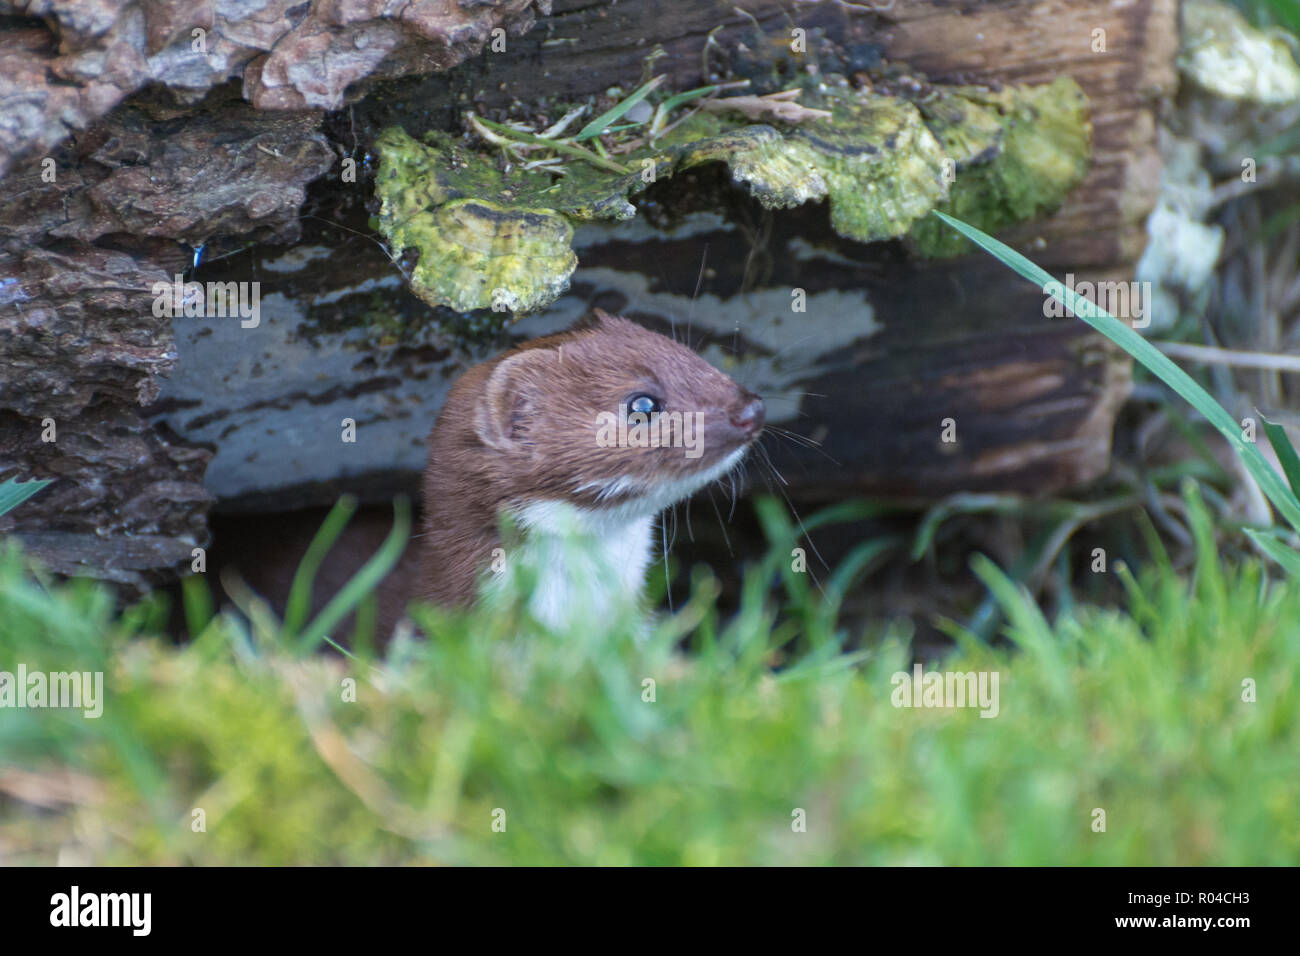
x=582 y=439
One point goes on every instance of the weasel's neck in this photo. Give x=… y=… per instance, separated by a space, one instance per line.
x=581 y=566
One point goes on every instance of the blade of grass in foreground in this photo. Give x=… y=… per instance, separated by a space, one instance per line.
x=1286 y=455
x=299 y=604
x=1275 y=549
x=363 y=582
x=196 y=597
x=14 y=492
x=1143 y=351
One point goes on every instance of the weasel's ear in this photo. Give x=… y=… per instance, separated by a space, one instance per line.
x=511 y=399
x=596 y=319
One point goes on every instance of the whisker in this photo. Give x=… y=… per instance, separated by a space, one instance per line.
x=699 y=281
x=768 y=458
x=726 y=538
x=789 y=504
x=382 y=248
x=793 y=436
x=788 y=346
x=804 y=441
x=793 y=511
x=668 y=581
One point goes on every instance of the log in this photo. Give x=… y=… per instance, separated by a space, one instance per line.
x=251 y=185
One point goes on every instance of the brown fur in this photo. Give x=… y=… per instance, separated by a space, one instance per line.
x=521 y=428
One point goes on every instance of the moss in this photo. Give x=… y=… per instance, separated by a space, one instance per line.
x=969 y=131
x=873 y=159
x=1139 y=709
x=1044 y=150
x=481 y=244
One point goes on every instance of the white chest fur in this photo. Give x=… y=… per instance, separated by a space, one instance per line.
x=577 y=565
x=584 y=565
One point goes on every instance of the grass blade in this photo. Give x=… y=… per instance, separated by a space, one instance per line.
x=196 y=598
x=1289 y=558
x=559 y=145
x=299 y=604
x=1270 y=482
x=677 y=99
x=14 y=492
x=364 y=581
x=615 y=113
x=1285 y=451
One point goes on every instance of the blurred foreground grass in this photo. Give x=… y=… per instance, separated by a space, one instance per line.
x=1140 y=714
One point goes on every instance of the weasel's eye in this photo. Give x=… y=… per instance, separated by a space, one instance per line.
x=644 y=405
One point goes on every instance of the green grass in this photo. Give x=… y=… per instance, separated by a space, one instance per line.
x=1282 y=13
x=1282 y=490
x=14 y=492
x=1177 y=717
x=1139 y=714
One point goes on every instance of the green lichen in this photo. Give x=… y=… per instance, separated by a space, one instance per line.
x=481 y=244
x=489 y=238
x=1045 y=149
x=883 y=165
x=969 y=132
x=873 y=158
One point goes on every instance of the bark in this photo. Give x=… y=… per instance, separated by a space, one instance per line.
x=90 y=55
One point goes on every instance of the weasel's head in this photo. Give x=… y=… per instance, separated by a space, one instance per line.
x=610 y=415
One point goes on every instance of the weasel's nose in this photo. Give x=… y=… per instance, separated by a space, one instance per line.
x=750 y=416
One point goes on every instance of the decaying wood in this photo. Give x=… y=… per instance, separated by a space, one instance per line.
x=83 y=348
x=286 y=54
x=1122 y=54
x=887 y=348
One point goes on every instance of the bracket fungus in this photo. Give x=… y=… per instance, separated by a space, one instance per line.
x=874 y=159
x=1041 y=151
x=882 y=157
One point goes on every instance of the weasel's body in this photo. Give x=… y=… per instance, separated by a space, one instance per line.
x=528 y=434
